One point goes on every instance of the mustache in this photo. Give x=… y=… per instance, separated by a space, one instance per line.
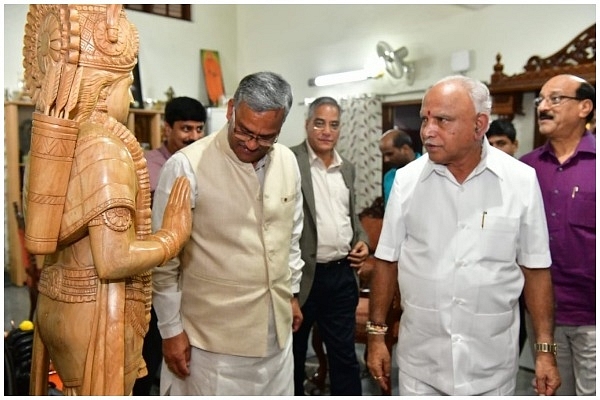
x=544 y=115
x=188 y=141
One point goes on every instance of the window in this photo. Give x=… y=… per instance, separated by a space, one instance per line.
x=179 y=11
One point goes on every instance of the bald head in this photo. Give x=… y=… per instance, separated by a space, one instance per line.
x=396 y=148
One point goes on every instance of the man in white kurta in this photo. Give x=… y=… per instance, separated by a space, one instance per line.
x=460 y=278
x=225 y=306
x=464 y=241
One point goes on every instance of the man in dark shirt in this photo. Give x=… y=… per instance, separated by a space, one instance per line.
x=566 y=170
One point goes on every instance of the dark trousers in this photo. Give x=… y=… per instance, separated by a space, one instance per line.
x=332 y=305
x=522 y=328
x=152 y=353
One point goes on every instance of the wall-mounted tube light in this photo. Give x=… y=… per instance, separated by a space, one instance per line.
x=372 y=70
x=342 y=77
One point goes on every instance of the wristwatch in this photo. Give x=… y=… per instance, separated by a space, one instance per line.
x=546 y=348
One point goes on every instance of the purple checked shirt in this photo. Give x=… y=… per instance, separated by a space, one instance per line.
x=156 y=159
x=569 y=192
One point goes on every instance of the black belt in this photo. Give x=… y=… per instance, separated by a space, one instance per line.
x=337 y=263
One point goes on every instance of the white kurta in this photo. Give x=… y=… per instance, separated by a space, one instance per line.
x=213 y=372
x=458 y=247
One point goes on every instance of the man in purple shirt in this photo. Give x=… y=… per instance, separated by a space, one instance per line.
x=566 y=170
x=184 y=124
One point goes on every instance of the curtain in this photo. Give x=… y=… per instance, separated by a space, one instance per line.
x=359 y=143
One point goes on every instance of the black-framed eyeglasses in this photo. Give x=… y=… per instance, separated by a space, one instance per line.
x=264 y=141
x=554 y=100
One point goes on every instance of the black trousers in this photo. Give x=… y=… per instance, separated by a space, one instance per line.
x=152 y=353
x=332 y=305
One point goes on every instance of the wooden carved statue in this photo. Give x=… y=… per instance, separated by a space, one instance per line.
x=87 y=201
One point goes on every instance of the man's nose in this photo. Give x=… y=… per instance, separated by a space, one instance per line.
x=197 y=134
x=252 y=144
x=427 y=131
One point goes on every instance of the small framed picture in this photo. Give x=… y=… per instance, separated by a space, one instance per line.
x=213 y=78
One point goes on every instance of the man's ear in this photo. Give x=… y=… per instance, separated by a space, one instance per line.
x=585 y=107
x=229 y=113
x=482 y=124
x=168 y=129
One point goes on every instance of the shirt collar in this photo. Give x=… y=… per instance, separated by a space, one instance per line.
x=313 y=158
x=489 y=161
x=260 y=164
x=587 y=144
x=164 y=150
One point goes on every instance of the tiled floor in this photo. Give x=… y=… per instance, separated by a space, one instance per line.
x=16 y=309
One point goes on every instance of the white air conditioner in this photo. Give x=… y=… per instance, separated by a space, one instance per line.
x=215 y=119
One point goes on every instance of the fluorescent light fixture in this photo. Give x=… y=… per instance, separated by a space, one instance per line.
x=342 y=77
x=372 y=70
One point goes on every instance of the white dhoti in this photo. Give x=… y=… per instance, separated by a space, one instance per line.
x=213 y=374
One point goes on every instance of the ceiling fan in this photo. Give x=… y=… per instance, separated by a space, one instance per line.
x=394 y=61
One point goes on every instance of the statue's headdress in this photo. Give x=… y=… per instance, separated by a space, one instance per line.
x=61 y=38
x=60 y=42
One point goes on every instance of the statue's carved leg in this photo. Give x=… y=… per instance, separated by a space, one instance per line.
x=40 y=366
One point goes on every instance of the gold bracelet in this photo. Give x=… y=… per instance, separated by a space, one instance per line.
x=373 y=328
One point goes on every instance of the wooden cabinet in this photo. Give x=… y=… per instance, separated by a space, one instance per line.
x=146 y=124
x=577 y=58
x=14 y=114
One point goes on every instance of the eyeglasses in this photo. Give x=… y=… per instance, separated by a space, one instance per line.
x=320 y=125
x=264 y=141
x=554 y=100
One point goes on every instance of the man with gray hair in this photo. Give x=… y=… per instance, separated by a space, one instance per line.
x=334 y=247
x=464 y=233
x=226 y=307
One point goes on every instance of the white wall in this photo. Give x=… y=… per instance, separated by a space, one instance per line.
x=302 y=41
x=169 y=48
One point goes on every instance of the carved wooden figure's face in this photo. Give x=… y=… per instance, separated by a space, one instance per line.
x=119 y=98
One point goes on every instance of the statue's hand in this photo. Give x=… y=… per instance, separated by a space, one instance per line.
x=178 y=214
x=177 y=219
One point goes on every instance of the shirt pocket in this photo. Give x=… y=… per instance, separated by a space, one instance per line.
x=499 y=238
x=582 y=210
x=288 y=198
x=285 y=208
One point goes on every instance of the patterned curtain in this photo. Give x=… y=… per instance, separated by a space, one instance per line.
x=359 y=143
